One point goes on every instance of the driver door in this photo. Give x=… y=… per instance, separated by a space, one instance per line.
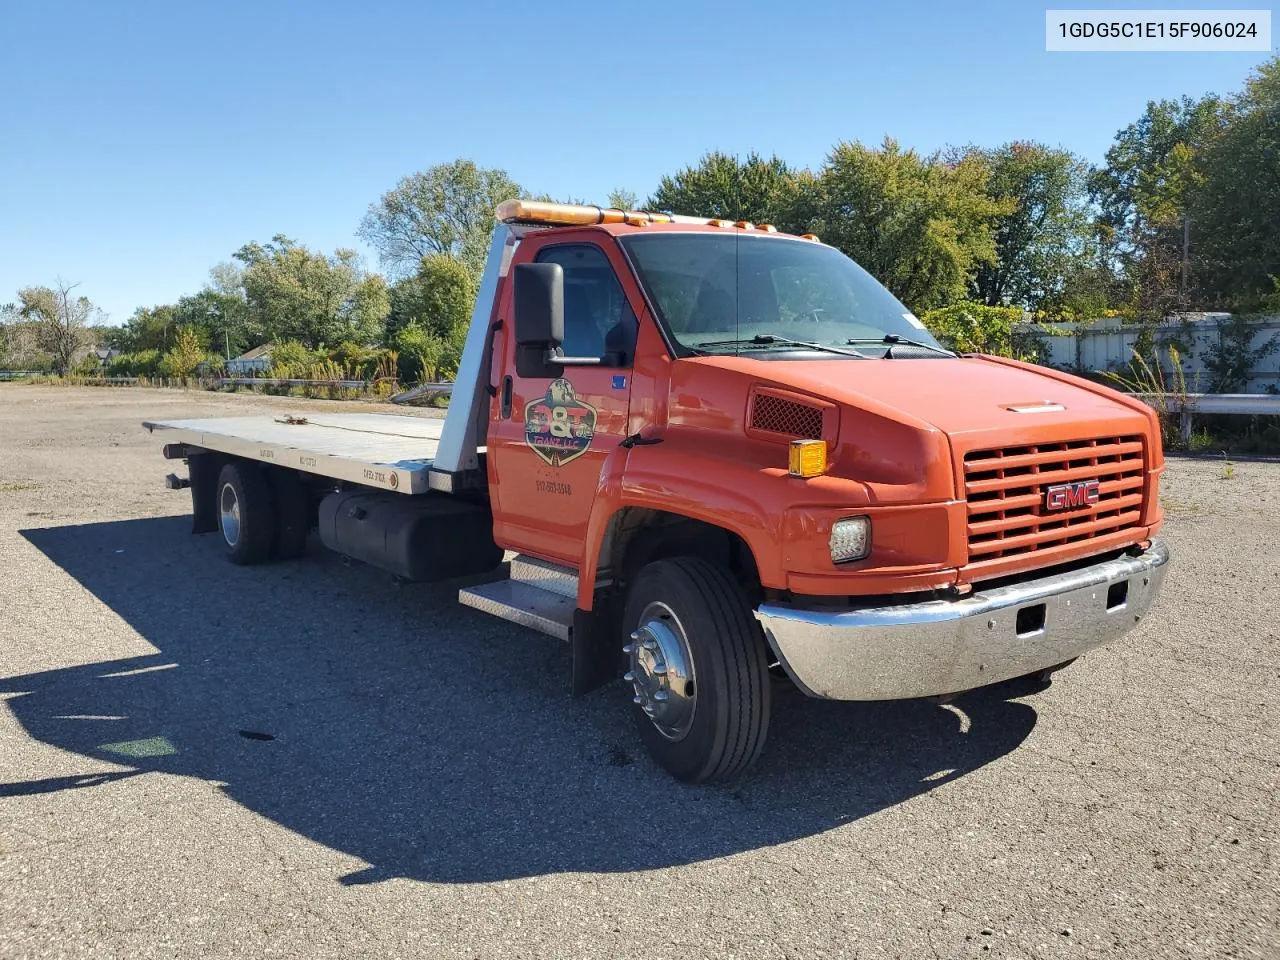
x=549 y=436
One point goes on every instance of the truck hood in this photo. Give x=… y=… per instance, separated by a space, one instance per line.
x=971 y=399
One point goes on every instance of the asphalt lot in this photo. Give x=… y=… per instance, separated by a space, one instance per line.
x=304 y=760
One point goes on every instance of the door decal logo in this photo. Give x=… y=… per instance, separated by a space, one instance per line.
x=559 y=426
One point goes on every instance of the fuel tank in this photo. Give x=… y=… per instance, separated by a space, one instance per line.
x=420 y=538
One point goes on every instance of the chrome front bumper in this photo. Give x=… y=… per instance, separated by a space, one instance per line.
x=945 y=646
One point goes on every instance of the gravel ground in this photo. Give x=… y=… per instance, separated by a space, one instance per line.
x=303 y=760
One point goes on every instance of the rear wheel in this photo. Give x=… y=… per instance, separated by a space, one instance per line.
x=245 y=516
x=698 y=668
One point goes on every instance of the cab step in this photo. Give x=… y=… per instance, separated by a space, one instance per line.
x=538 y=595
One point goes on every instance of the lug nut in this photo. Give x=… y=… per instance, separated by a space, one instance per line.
x=659 y=669
x=638 y=700
x=661 y=696
x=635 y=635
x=629 y=677
x=629 y=649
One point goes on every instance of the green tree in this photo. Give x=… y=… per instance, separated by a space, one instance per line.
x=446 y=209
x=621 y=199
x=61 y=322
x=150 y=328
x=185 y=355
x=294 y=293
x=921 y=226
x=1235 y=210
x=1046 y=231
x=756 y=189
x=438 y=298
x=224 y=319
x=1144 y=192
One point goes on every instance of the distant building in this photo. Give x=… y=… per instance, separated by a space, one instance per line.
x=257 y=360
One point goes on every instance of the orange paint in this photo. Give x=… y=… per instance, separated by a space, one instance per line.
x=898 y=434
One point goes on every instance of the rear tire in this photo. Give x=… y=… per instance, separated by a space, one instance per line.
x=245 y=515
x=699 y=669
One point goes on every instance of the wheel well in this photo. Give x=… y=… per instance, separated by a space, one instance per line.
x=637 y=536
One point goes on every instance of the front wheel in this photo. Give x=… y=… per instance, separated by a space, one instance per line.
x=699 y=669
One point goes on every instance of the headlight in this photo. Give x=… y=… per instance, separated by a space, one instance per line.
x=850 y=539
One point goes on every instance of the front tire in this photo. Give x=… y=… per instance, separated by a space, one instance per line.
x=245 y=516
x=699 y=669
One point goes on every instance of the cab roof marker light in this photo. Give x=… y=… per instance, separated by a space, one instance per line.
x=810 y=236
x=545 y=213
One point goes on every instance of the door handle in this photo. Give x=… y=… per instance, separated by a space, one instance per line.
x=506 y=397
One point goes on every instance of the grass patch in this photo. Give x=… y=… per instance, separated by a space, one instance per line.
x=17 y=486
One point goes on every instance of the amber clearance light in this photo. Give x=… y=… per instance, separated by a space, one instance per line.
x=808 y=458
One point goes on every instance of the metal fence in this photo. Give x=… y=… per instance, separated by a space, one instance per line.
x=1109 y=344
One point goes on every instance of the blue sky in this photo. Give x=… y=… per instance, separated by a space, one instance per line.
x=143 y=142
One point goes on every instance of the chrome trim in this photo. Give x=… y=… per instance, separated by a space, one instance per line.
x=229 y=514
x=936 y=647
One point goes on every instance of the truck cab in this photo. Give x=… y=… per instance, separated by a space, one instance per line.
x=725 y=455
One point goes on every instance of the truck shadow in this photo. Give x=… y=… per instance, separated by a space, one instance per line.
x=428 y=740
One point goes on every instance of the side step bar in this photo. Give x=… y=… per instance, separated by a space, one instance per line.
x=538 y=595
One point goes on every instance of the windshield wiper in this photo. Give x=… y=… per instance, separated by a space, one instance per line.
x=892 y=339
x=768 y=339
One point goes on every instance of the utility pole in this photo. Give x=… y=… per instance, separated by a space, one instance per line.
x=1186 y=248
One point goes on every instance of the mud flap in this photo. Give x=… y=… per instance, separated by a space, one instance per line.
x=595 y=649
x=204 y=468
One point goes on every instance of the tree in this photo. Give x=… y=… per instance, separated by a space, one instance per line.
x=1144 y=193
x=438 y=298
x=621 y=199
x=223 y=318
x=61 y=320
x=149 y=328
x=1235 y=210
x=185 y=355
x=294 y=293
x=1046 y=231
x=920 y=226
x=445 y=209
x=722 y=186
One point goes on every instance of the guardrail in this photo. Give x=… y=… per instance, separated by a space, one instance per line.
x=1187 y=405
x=283 y=382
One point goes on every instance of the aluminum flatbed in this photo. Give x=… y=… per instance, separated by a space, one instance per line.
x=373 y=449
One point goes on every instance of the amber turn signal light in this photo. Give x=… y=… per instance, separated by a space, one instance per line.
x=808 y=458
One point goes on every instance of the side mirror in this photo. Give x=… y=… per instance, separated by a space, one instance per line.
x=539 y=305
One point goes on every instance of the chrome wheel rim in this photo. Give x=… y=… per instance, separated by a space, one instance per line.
x=661 y=671
x=229 y=510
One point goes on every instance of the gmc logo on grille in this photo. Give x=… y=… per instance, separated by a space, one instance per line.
x=1067 y=495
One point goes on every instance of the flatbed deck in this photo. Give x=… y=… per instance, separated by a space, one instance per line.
x=374 y=449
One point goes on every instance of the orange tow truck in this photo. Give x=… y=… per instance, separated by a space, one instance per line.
x=719 y=452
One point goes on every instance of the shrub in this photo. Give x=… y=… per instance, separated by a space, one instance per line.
x=969 y=327
x=185 y=355
x=291 y=360
x=421 y=353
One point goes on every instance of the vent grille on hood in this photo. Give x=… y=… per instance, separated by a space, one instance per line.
x=779 y=415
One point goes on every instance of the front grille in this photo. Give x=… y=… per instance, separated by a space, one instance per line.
x=779 y=415
x=1005 y=489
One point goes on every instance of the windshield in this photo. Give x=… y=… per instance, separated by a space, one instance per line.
x=730 y=292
